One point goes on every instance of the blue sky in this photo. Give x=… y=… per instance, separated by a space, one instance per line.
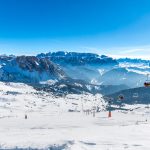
x=117 y=28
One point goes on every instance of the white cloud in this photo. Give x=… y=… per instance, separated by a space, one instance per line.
x=142 y=52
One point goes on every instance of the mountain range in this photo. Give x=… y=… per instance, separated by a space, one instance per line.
x=72 y=72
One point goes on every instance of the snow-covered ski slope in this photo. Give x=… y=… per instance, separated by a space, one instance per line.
x=61 y=123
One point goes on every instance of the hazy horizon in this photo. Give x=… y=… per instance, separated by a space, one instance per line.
x=113 y=56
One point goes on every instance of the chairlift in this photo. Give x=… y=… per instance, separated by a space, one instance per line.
x=121 y=97
x=147 y=82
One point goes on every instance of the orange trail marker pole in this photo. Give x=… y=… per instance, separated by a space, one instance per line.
x=109 y=114
x=109 y=108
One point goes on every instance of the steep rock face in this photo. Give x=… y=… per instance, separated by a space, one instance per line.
x=30 y=69
x=43 y=65
x=78 y=59
x=84 y=66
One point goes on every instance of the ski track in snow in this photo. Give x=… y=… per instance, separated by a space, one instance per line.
x=52 y=125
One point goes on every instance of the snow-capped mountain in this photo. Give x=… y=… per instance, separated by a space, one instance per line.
x=47 y=75
x=85 y=66
x=101 y=70
x=121 y=75
x=135 y=71
x=71 y=72
x=77 y=59
x=135 y=65
x=28 y=69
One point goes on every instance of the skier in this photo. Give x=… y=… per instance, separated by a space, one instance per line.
x=26 y=116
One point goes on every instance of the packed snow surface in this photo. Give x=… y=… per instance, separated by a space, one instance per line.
x=65 y=123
